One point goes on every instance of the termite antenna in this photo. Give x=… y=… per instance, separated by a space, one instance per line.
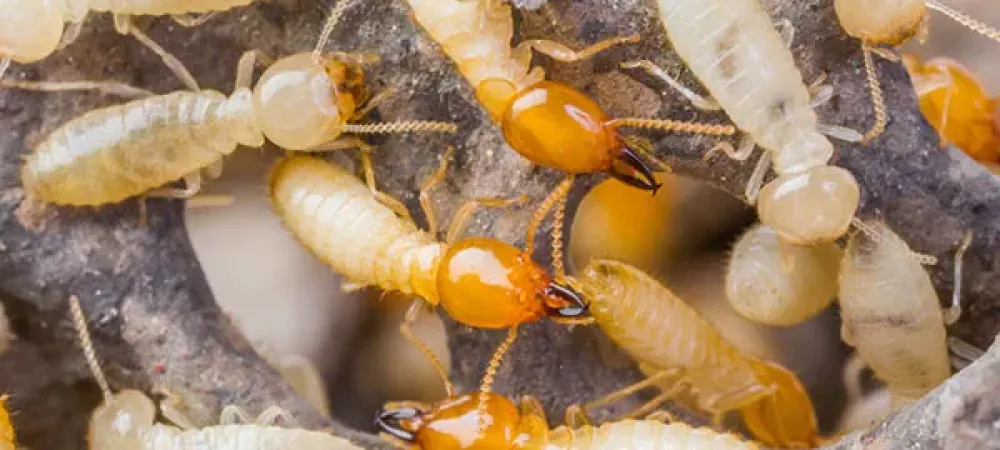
x=80 y=322
x=491 y=372
x=674 y=125
x=554 y=197
x=877 y=236
x=409 y=126
x=955 y=311
x=965 y=20
x=336 y=12
x=878 y=101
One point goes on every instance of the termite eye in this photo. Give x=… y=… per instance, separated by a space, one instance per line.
x=564 y=301
x=392 y=422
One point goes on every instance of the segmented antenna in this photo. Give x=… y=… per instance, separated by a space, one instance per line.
x=878 y=101
x=80 y=322
x=336 y=12
x=675 y=125
x=409 y=126
x=965 y=20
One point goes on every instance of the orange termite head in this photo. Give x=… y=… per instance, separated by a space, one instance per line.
x=786 y=417
x=486 y=283
x=557 y=126
x=458 y=422
x=348 y=83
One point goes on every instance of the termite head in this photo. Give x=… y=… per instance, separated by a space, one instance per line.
x=30 y=31
x=119 y=422
x=887 y=22
x=462 y=421
x=785 y=417
x=557 y=126
x=301 y=102
x=486 y=283
x=810 y=207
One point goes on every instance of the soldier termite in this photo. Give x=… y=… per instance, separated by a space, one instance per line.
x=548 y=122
x=7 y=437
x=126 y=420
x=480 y=282
x=773 y=282
x=680 y=351
x=302 y=102
x=33 y=29
x=890 y=23
x=462 y=422
x=734 y=50
x=891 y=312
x=957 y=105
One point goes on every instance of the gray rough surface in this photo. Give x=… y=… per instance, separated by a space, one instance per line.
x=150 y=303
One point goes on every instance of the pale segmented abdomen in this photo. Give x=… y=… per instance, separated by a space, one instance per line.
x=659 y=329
x=733 y=49
x=160 y=7
x=647 y=434
x=891 y=313
x=476 y=35
x=227 y=437
x=110 y=154
x=335 y=215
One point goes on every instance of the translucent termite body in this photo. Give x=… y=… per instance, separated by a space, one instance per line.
x=957 y=105
x=676 y=347
x=892 y=315
x=549 y=123
x=7 y=438
x=734 y=50
x=776 y=283
x=481 y=282
x=126 y=420
x=493 y=422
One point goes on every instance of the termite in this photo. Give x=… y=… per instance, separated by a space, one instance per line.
x=679 y=350
x=889 y=24
x=480 y=282
x=493 y=422
x=732 y=47
x=126 y=420
x=31 y=30
x=7 y=437
x=891 y=312
x=957 y=105
x=549 y=123
x=303 y=102
x=776 y=283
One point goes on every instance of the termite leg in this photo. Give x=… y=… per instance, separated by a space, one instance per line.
x=104 y=87
x=650 y=381
x=234 y=415
x=428 y=186
x=952 y=313
x=461 y=218
x=853 y=371
x=274 y=415
x=841 y=133
x=656 y=402
x=561 y=52
x=551 y=200
x=192 y=184
x=69 y=36
x=576 y=417
x=884 y=53
x=757 y=177
x=747 y=146
x=246 y=65
x=924 y=29
x=949 y=90
x=662 y=416
x=346 y=142
x=787 y=32
x=878 y=101
x=124 y=25
x=406 y=330
x=698 y=101
x=4 y=64
x=193 y=20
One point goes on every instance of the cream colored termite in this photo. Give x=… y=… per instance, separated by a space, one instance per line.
x=303 y=102
x=31 y=30
x=776 y=283
x=126 y=420
x=733 y=49
x=891 y=313
x=888 y=23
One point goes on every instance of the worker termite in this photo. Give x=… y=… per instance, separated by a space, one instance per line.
x=548 y=122
x=480 y=282
x=957 y=105
x=125 y=421
x=462 y=422
x=302 y=102
x=891 y=312
x=7 y=437
x=31 y=30
x=734 y=50
x=679 y=350
x=890 y=23
x=777 y=283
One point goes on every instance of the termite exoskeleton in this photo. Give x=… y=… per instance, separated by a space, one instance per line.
x=679 y=350
x=549 y=123
x=888 y=24
x=891 y=312
x=303 y=102
x=777 y=283
x=126 y=420
x=490 y=421
x=7 y=437
x=31 y=30
x=734 y=50
x=957 y=105
x=481 y=282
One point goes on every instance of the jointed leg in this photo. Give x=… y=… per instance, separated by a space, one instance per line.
x=104 y=87
x=699 y=101
x=656 y=402
x=652 y=380
x=963 y=353
x=70 y=34
x=193 y=20
x=124 y=25
x=787 y=32
x=561 y=52
x=406 y=330
x=346 y=142
x=576 y=417
x=244 y=69
x=464 y=213
x=273 y=414
x=234 y=415
x=4 y=64
x=757 y=177
x=952 y=313
x=192 y=184
x=428 y=185
x=530 y=406
x=747 y=146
